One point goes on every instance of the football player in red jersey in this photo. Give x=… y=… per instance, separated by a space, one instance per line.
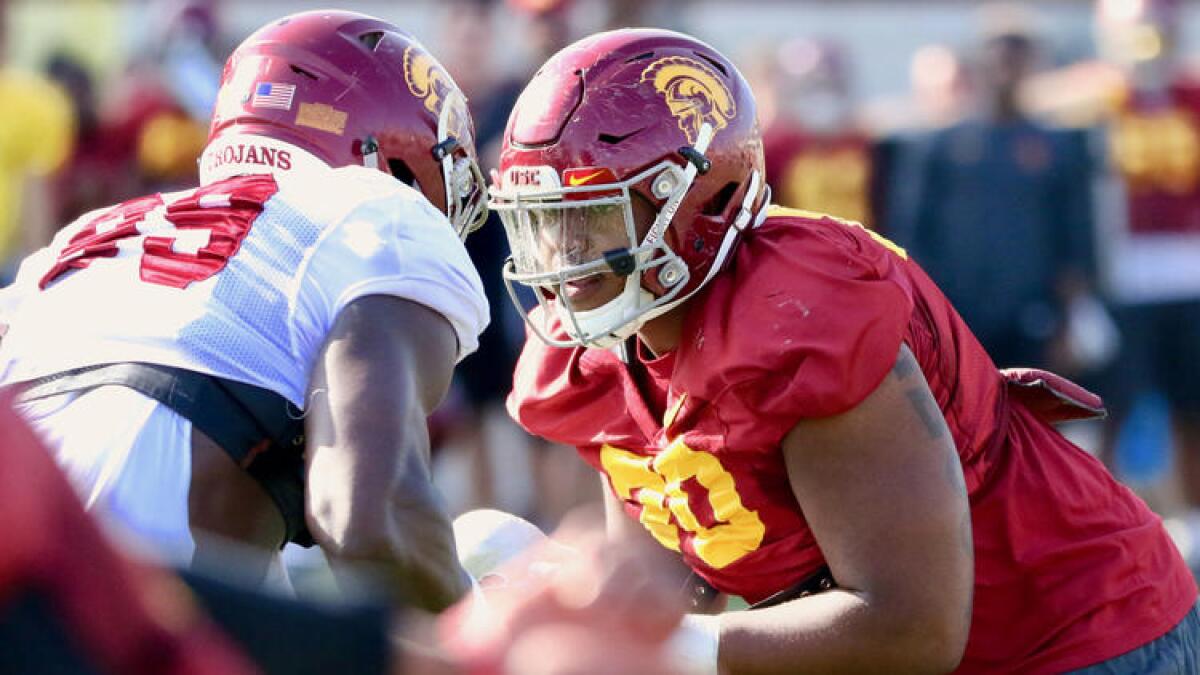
x=785 y=401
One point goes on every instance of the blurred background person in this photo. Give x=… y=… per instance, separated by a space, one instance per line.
x=818 y=155
x=142 y=128
x=1151 y=223
x=100 y=169
x=37 y=131
x=1002 y=215
x=168 y=92
x=938 y=96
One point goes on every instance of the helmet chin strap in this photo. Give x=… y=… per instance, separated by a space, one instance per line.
x=459 y=174
x=583 y=324
x=617 y=319
x=745 y=219
x=370 y=150
x=633 y=297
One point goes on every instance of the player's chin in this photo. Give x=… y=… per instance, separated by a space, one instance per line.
x=591 y=292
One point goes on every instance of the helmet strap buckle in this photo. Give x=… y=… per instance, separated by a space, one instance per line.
x=697 y=159
x=745 y=216
x=443 y=149
x=370 y=153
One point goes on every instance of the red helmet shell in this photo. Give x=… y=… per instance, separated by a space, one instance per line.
x=341 y=85
x=629 y=99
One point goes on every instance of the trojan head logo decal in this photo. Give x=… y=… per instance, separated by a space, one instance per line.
x=426 y=79
x=694 y=92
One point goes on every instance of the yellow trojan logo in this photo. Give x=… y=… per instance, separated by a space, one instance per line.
x=694 y=92
x=426 y=79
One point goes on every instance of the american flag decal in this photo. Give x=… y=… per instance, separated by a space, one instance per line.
x=273 y=95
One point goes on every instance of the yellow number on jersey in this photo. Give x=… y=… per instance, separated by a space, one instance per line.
x=1157 y=152
x=659 y=482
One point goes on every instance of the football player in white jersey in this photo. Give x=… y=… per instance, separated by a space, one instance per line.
x=256 y=357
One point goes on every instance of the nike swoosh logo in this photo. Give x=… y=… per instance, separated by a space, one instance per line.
x=576 y=181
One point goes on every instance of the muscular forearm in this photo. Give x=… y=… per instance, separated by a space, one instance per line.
x=412 y=564
x=409 y=552
x=835 y=631
x=370 y=495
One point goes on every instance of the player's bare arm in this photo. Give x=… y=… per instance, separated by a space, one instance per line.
x=625 y=533
x=386 y=365
x=882 y=488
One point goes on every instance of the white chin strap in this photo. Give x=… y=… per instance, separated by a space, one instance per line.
x=621 y=311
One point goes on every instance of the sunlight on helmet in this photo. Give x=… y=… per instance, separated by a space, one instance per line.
x=682 y=151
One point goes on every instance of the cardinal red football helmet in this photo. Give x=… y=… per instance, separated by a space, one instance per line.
x=630 y=114
x=352 y=89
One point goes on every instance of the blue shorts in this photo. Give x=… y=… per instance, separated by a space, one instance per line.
x=1175 y=653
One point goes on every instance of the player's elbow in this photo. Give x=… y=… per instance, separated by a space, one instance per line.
x=933 y=642
x=368 y=522
x=938 y=651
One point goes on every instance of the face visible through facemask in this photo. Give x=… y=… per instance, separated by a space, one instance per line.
x=556 y=238
x=575 y=236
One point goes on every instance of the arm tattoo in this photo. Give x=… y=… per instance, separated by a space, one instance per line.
x=926 y=407
x=968 y=543
x=919 y=396
x=929 y=412
x=905 y=366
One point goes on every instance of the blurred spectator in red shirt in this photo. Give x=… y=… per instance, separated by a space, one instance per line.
x=818 y=156
x=1151 y=225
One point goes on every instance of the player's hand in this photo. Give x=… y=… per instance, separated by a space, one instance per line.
x=569 y=608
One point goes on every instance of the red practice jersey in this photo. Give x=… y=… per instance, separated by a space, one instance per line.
x=826 y=173
x=1071 y=567
x=1155 y=144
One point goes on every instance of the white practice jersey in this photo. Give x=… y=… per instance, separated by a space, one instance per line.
x=241 y=278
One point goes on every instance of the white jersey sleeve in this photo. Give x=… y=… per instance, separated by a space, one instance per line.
x=396 y=245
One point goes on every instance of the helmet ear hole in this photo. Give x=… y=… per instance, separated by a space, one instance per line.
x=401 y=172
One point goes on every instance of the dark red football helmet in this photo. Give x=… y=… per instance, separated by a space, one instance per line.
x=642 y=114
x=352 y=89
